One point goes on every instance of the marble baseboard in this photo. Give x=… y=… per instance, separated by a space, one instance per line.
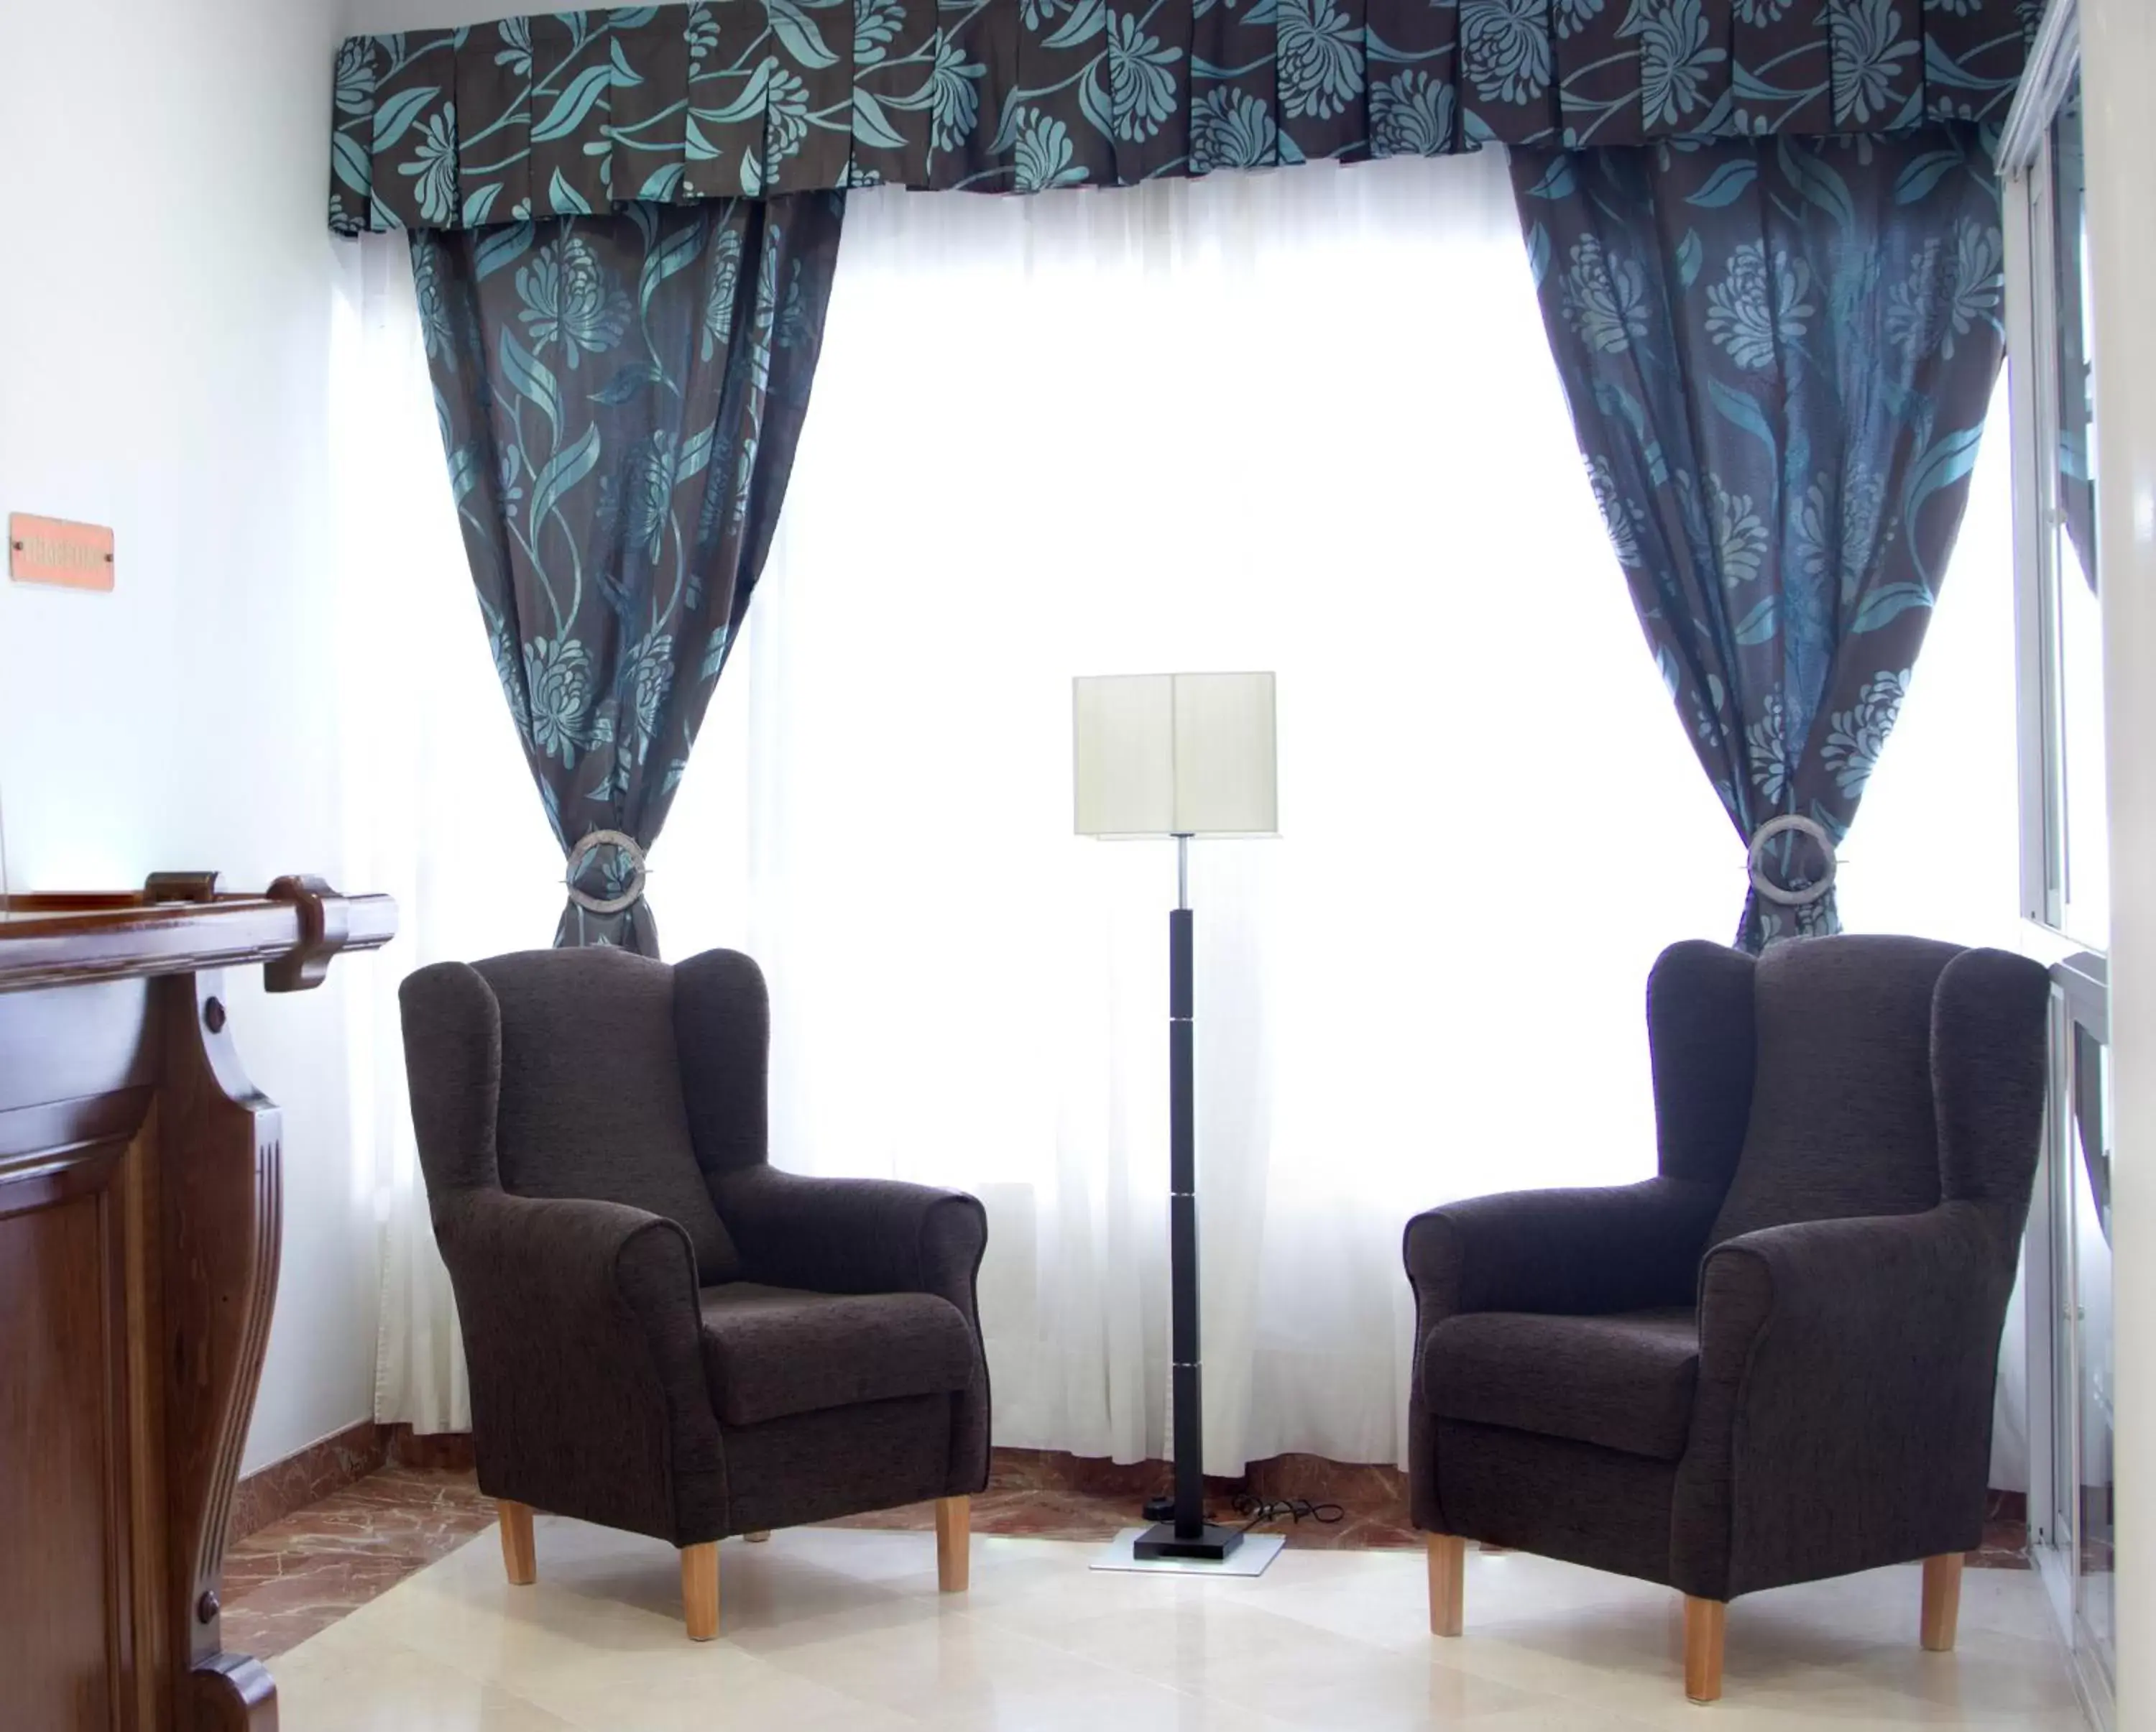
x=1045 y=1493
x=308 y=1475
x=446 y=1451
x=2006 y=1532
x=303 y=1572
x=303 y=1477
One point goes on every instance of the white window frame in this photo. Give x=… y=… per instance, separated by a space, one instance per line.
x=2049 y=1270
x=2025 y=165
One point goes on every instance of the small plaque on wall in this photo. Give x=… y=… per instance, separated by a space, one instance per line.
x=50 y=550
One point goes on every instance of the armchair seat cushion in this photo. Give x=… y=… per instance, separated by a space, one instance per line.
x=770 y=1351
x=1623 y=1380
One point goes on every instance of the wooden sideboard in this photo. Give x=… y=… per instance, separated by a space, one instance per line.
x=139 y=1227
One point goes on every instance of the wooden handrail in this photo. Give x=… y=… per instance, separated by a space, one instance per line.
x=293 y=930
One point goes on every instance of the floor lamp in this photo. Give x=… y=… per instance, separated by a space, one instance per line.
x=1179 y=755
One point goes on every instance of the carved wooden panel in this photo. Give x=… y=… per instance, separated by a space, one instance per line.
x=139 y=1197
x=65 y=1501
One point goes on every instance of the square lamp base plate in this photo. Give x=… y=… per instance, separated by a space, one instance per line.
x=1248 y=1559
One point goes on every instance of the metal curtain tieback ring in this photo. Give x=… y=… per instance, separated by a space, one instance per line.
x=592 y=844
x=1754 y=861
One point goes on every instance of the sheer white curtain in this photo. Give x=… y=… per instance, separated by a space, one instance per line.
x=1305 y=421
x=441 y=811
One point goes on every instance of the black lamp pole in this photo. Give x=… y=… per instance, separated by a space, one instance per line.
x=1189 y=1534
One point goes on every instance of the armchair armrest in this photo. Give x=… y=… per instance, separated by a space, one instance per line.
x=870 y=1236
x=854 y=1235
x=1843 y=1418
x=583 y=1341
x=1583 y=1251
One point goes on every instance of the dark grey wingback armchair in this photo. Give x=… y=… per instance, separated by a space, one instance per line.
x=1774 y=1361
x=664 y=1334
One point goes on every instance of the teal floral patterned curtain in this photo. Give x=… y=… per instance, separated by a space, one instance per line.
x=620 y=396
x=1778 y=355
x=562 y=114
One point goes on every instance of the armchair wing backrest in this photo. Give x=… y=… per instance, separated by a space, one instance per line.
x=1842 y=1120
x=573 y=1061
x=722 y=1034
x=1701 y=1036
x=1888 y=1074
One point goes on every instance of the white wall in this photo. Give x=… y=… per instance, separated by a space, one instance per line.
x=166 y=285
x=2118 y=66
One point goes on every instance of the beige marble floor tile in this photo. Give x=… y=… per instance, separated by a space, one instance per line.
x=825 y=1628
x=377 y=1685
x=1841 y=1653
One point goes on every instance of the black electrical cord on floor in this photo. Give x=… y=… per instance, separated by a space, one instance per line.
x=1257 y=1509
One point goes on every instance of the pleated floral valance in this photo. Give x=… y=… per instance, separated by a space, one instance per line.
x=566 y=113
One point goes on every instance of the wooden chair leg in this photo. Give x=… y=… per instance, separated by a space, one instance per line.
x=758 y=1537
x=699 y=1589
x=1448 y=1582
x=1941 y=1601
x=517 y=1556
x=1704 y=1622
x=954 y=1547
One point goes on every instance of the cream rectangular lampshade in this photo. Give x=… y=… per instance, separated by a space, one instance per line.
x=1175 y=754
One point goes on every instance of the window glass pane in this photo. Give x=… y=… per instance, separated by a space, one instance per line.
x=2077 y=614
x=2089 y=1147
